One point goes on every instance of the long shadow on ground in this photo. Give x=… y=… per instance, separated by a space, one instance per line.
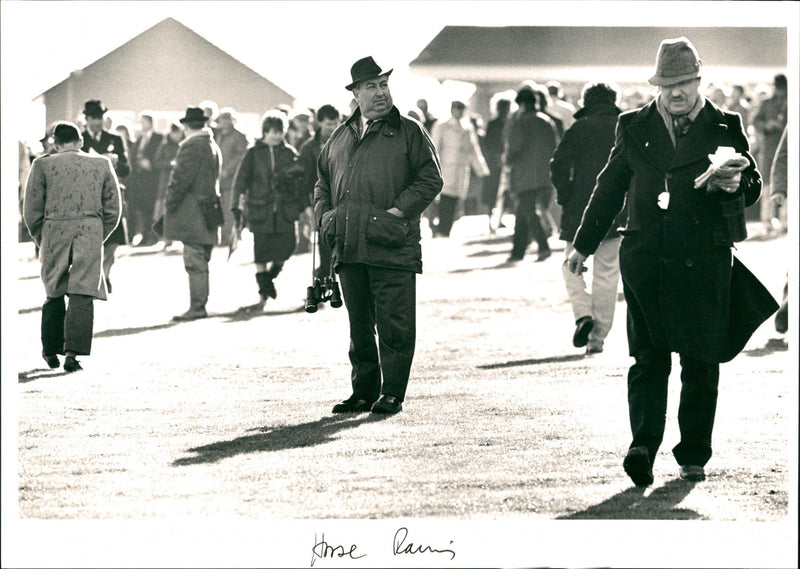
x=632 y=504
x=773 y=345
x=550 y=360
x=271 y=439
x=241 y=315
x=134 y=330
x=39 y=373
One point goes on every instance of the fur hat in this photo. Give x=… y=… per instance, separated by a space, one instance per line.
x=677 y=61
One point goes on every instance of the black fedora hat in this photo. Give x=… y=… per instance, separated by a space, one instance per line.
x=194 y=114
x=94 y=108
x=365 y=68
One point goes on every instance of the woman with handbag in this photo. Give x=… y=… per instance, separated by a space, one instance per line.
x=268 y=196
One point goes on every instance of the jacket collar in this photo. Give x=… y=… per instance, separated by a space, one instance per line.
x=649 y=133
x=598 y=109
x=392 y=118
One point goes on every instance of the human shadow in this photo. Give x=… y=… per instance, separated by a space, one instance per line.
x=39 y=373
x=488 y=253
x=29 y=310
x=773 y=345
x=489 y=240
x=270 y=439
x=632 y=504
x=503 y=265
x=240 y=315
x=536 y=361
x=133 y=330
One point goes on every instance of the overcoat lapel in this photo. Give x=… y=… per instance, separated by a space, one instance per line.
x=702 y=138
x=651 y=139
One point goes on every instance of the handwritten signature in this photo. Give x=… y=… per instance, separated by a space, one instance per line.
x=323 y=549
x=400 y=547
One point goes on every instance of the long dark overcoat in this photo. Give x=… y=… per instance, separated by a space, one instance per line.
x=675 y=263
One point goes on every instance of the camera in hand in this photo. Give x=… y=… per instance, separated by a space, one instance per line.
x=323 y=290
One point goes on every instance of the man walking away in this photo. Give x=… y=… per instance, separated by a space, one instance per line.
x=72 y=204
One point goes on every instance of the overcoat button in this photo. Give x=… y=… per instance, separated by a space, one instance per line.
x=689 y=262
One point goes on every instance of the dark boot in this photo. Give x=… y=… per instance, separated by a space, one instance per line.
x=265 y=286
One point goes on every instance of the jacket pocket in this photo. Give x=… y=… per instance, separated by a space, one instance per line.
x=386 y=229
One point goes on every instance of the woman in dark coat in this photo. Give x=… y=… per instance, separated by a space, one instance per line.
x=268 y=194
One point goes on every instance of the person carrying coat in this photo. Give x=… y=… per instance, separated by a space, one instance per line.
x=580 y=156
x=194 y=181
x=682 y=285
x=71 y=206
x=268 y=193
x=376 y=175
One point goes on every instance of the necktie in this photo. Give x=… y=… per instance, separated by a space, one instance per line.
x=366 y=127
x=681 y=124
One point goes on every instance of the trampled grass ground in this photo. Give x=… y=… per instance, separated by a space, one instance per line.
x=229 y=417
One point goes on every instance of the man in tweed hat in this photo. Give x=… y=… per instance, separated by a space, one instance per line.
x=675 y=257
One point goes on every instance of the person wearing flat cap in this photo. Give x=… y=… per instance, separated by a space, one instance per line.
x=98 y=140
x=377 y=173
x=193 y=182
x=685 y=291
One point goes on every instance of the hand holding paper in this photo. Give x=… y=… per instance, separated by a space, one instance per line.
x=724 y=172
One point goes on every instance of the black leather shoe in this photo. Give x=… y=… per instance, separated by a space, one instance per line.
x=637 y=465
x=71 y=364
x=544 y=254
x=52 y=360
x=583 y=328
x=387 y=405
x=353 y=405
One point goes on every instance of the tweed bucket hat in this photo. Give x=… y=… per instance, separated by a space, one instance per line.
x=677 y=61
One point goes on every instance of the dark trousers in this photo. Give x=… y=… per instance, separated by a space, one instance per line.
x=647 y=404
x=385 y=299
x=67 y=329
x=526 y=221
x=447 y=213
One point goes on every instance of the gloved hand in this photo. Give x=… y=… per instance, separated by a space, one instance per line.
x=238 y=217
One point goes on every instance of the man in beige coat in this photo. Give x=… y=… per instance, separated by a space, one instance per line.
x=72 y=204
x=457 y=144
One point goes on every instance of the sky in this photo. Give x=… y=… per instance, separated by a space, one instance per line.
x=304 y=47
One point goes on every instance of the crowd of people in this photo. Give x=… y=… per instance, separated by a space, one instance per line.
x=366 y=182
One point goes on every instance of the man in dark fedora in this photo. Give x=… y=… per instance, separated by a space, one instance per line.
x=98 y=140
x=193 y=179
x=376 y=175
x=682 y=285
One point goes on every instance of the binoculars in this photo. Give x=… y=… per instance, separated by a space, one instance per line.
x=323 y=290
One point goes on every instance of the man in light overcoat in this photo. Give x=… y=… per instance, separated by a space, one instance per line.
x=72 y=204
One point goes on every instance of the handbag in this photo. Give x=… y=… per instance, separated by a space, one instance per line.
x=211 y=207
